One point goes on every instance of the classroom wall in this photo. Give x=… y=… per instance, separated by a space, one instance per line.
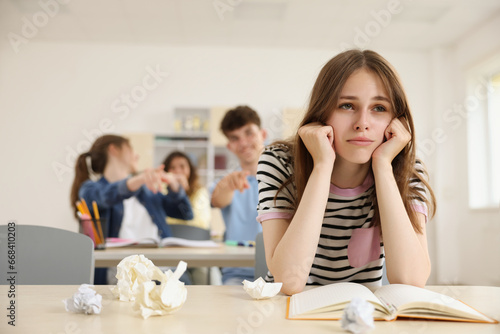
x=55 y=96
x=468 y=240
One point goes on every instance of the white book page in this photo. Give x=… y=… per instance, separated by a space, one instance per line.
x=173 y=241
x=121 y=242
x=324 y=296
x=399 y=294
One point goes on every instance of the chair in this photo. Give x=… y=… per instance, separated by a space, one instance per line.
x=385 y=281
x=189 y=232
x=260 y=257
x=47 y=255
x=192 y=233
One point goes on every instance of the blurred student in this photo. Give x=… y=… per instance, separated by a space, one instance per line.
x=129 y=203
x=178 y=163
x=237 y=193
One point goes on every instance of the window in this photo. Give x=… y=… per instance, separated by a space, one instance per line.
x=483 y=127
x=494 y=134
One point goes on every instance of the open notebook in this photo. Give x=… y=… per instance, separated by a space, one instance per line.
x=165 y=242
x=390 y=302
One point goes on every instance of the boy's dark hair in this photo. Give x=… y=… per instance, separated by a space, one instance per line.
x=239 y=117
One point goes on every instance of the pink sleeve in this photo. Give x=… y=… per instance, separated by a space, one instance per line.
x=274 y=215
x=421 y=208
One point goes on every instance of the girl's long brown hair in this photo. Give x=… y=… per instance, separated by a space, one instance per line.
x=98 y=154
x=324 y=97
x=193 y=180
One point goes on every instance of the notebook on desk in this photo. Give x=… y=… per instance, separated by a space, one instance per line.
x=390 y=301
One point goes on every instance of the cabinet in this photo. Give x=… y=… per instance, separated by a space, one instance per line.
x=213 y=162
x=194 y=131
x=291 y=120
x=197 y=147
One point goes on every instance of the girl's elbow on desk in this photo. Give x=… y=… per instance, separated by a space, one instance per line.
x=291 y=288
x=291 y=285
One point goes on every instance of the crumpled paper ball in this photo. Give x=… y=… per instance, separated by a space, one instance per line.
x=85 y=300
x=358 y=316
x=133 y=271
x=166 y=298
x=260 y=289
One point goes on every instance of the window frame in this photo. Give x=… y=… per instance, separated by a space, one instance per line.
x=482 y=159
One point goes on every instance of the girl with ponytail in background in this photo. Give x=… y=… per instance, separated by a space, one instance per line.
x=130 y=203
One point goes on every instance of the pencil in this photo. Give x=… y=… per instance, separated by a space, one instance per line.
x=96 y=235
x=85 y=207
x=80 y=207
x=98 y=219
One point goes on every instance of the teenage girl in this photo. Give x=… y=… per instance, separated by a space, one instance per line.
x=347 y=192
x=178 y=163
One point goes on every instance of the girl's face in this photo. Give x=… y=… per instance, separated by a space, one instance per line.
x=179 y=165
x=129 y=157
x=361 y=116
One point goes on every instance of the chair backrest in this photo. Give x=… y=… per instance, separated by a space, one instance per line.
x=46 y=255
x=260 y=257
x=385 y=281
x=189 y=232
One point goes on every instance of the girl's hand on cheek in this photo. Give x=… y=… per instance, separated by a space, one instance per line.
x=397 y=136
x=318 y=139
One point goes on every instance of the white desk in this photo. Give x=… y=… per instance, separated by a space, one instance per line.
x=216 y=309
x=223 y=256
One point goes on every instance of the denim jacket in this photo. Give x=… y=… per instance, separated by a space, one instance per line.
x=109 y=198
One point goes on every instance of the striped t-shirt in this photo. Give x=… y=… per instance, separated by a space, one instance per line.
x=350 y=248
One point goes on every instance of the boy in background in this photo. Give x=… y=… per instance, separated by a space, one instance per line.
x=237 y=193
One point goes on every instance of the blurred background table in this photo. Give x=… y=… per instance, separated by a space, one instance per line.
x=223 y=256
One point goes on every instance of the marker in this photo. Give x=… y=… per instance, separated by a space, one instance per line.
x=250 y=243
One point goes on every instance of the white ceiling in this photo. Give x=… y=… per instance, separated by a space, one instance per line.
x=317 y=24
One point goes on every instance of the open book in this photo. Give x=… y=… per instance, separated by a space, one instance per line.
x=390 y=302
x=165 y=242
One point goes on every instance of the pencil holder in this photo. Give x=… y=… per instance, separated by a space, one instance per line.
x=93 y=228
